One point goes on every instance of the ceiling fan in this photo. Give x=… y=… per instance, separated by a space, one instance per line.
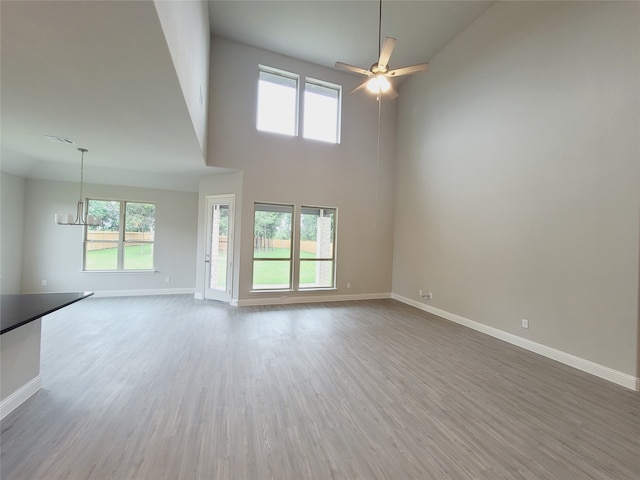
x=379 y=73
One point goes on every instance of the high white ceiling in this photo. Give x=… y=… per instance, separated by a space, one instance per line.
x=100 y=74
x=326 y=31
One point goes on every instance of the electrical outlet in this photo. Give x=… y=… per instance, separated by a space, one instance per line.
x=348 y=284
x=43 y=283
x=429 y=296
x=420 y=292
x=167 y=279
x=525 y=323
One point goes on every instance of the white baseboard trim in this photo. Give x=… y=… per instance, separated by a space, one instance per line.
x=198 y=296
x=615 y=376
x=291 y=299
x=141 y=292
x=20 y=396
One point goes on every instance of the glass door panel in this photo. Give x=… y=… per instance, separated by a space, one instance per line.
x=218 y=256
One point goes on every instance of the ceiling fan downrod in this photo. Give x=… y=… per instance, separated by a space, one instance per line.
x=380 y=30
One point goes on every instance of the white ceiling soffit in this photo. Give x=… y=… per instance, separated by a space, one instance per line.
x=100 y=74
x=324 y=31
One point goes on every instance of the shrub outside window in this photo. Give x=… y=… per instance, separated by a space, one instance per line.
x=272 y=247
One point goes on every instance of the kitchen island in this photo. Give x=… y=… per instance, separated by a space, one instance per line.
x=21 y=322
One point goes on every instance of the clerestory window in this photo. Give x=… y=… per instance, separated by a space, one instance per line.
x=279 y=105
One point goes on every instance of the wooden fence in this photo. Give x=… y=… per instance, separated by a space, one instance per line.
x=102 y=240
x=305 y=245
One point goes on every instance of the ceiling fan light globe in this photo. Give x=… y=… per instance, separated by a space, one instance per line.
x=378 y=84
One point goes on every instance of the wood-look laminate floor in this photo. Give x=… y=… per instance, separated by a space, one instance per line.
x=173 y=388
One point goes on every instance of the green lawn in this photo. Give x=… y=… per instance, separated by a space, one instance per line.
x=265 y=274
x=136 y=257
x=276 y=272
x=222 y=273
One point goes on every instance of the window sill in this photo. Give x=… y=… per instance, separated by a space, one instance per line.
x=120 y=271
x=300 y=290
x=277 y=291
x=318 y=289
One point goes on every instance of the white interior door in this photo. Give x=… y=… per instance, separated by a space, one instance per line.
x=219 y=251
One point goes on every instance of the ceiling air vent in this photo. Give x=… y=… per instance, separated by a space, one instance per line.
x=58 y=139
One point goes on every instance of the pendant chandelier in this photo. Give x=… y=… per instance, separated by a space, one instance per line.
x=80 y=217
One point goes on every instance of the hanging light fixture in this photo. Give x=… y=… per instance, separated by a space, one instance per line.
x=80 y=218
x=378 y=84
x=379 y=73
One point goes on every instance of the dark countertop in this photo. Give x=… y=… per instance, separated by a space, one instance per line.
x=18 y=309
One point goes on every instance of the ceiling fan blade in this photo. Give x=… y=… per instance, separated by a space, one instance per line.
x=408 y=70
x=360 y=87
x=385 y=51
x=351 y=68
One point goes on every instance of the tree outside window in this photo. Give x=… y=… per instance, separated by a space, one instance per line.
x=273 y=248
x=125 y=239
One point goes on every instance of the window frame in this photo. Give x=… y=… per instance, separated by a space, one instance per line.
x=331 y=259
x=121 y=242
x=295 y=260
x=287 y=75
x=300 y=103
x=290 y=259
x=330 y=86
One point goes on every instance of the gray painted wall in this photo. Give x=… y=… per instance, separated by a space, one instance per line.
x=518 y=173
x=283 y=169
x=13 y=191
x=54 y=253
